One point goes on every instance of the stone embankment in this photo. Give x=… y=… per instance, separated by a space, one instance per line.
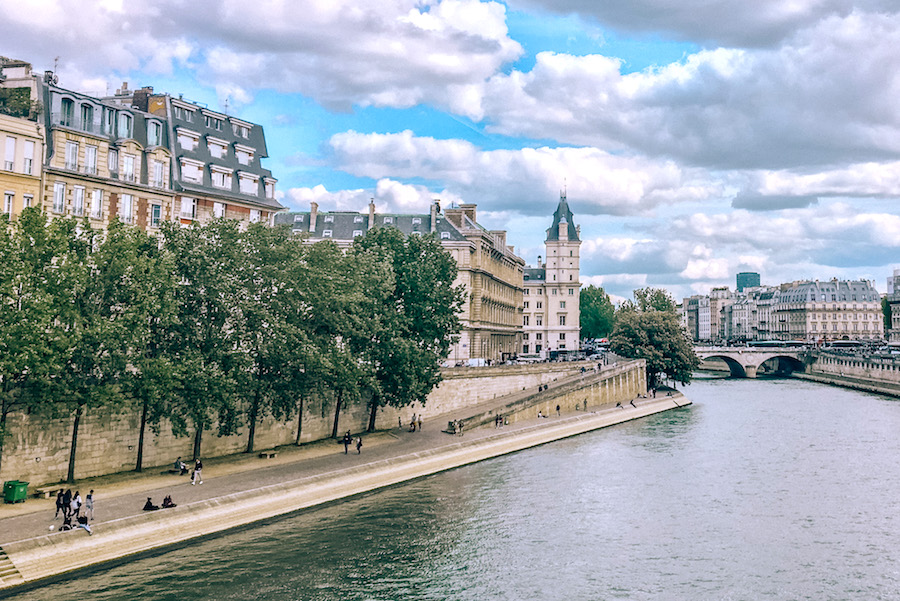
x=49 y=555
x=870 y=374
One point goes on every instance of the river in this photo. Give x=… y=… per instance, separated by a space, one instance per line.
x=763 y=489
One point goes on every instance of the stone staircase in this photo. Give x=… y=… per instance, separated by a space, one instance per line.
x=9 y=575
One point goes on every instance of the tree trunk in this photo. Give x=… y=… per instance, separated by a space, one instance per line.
x=2 y=434
x=299 y=422
x=254 y=411
x=198 y=437
x=71 y=475
x=372 y=414
x=337 y=413
x=140 y=450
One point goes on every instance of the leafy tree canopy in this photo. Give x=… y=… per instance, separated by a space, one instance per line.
x=597 y=313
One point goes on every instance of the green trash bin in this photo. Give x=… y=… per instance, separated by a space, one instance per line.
x=15 y=491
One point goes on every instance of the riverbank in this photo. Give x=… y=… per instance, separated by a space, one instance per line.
x=230 y=501
x=865 y=385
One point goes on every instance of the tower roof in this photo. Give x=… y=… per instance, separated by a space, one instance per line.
x=562 y=215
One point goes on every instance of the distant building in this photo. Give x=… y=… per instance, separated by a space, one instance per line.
x=488 y=269
x=551 y=313
x=821 y=311
x=747 y=279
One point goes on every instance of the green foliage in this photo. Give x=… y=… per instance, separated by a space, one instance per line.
x=16 y=102
x=597 y=313
x=650 y=329
x=886 y=315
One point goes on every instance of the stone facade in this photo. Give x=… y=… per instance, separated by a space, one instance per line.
x=551 y=310
x=20 y=171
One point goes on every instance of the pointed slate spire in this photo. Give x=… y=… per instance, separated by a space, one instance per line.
x=562 y=215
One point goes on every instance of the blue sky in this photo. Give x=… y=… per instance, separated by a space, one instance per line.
x=695 y=139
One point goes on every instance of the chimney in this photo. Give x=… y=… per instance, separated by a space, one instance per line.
x=469 y=211
x=141 y=98
x=313 y=213
x=435 y=211
x=371 y=213
x=539 y=262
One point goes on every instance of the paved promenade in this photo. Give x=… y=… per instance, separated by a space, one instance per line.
x=236 y=489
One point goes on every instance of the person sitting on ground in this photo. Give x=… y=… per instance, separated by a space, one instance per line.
x=167 y=502
x=67 y=523
x=149 y=506
x=83 y=523
x=180 y=467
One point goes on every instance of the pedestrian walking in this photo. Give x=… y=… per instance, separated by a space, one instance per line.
x=419 y=422
x=557 y=411
x=67 y=502
x=347 y=440
x=60 y=504
x=75 y=504
x=197 y=474
x=89 y=504
x=358 y=445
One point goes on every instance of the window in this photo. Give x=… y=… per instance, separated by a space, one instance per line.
x=67 y=111
x=525 y=336
x=329 y=218
x=27 y=201
x=191 y=170
x=445 y=235
x=78 y=200
x=240 y=130
x=539 y=305
x=97 y=204
x=326 y=234
x=109 y=120
x=525 y=305
x=388 y=220
x=250 y=185
x=188 y=208
x=72 y=155
x=29 y=157
x=357 y=233
x=527 y=292
x=555 y=290
x=243 y=154
x=87 y=117
x=159 y=179
x=562 y=320
x=8 y=202
x=255 y=215
x=562 y=304
x=562 y=335
x=178 y=112
x=10 y=156
x=538 y=320
x=298 y=218
x=571 y=292
x=128 y=173
x=90 y=160
x=187 y=139
x=126 y=211
x=124 y=125
x=221 y=177
x=155 y=215
x=539 y=336
x=213 y=123
x=154 y=133
x=524 y=348
x=59 y=197
x=113 y=161
x=417 y=220
x=270 y=189
x=525 y=320
x=217 y=148
x=218 y=210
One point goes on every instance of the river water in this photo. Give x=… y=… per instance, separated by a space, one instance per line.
x=763 y=489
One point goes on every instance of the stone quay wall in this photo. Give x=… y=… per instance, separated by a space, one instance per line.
x=36 y=449
x=872 y=374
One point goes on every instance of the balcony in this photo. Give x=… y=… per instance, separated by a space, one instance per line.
x=74 y=122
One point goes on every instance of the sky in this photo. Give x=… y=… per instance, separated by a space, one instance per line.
x=694 y=139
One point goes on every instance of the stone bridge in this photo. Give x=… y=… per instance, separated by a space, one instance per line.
x=744 y=362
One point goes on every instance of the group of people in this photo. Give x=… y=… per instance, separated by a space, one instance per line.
x=166 y=504
x=348 y=440
x=196 y=473
x=71 y=508
x=414 y=422
x=500 y=421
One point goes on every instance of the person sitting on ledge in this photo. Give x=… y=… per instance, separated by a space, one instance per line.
x=149 y=506
x=167 y=502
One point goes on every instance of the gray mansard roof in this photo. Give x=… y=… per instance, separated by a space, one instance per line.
x=535 y=274
x=346 y=225
x=832 y=291
x=562 y=214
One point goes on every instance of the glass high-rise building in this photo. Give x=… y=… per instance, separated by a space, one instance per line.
x=747 y=279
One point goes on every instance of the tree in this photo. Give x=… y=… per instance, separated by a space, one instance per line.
x=886 y=316
x=644 y=331
x=414 y=318
x=206 y=342
x=30 y=334
x=597 y=313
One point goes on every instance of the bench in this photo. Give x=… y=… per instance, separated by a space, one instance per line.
x=271 y=454
x=45 y=493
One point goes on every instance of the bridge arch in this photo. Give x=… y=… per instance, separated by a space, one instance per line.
x=745 y=363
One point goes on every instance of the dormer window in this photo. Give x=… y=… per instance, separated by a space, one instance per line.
x=388 y=220
x=244 y=154
x=187 y=139
x=358 y=219
x=326 y=234
x=445 y=235
x=124 y=125
x=217 y=148
x=298 y=218
x=154 y=133
x=417 y=220
x=249 y=183
x=329 y=218
x=357 y=233
x=221 y=176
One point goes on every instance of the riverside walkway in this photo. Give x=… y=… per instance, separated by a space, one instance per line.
x=240 y=489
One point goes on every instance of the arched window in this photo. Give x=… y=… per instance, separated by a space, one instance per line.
x=124 y=125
